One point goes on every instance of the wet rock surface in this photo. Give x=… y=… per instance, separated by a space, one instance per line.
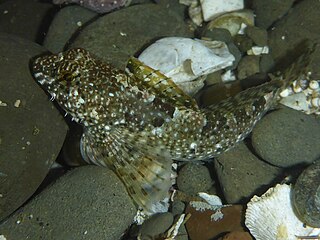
x=156 y=225
x=121 y=34
x=268 y=12
x=26 y=18
x=114 y=37
x=194 y=178
x=287 y=137
x=288 y=37
x=32 y=131
x=87 y=203
x=65 y=23
x=241 y=174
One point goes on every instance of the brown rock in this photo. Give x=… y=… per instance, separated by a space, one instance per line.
x=201 y=226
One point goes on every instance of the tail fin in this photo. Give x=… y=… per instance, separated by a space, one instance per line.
x=144 y=170
x=299 y=90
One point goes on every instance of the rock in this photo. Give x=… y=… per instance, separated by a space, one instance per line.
x=26 y=18
x=156 y=225
x=203 y=226
x=178 y=207
x=32 y=131
x=99 y=6
x=194 y=178
x=248 y=66
x=182 y=233
x=259 y=36
x=117 y=36
x=218 y=34
x=87 y=203
x=237 y=235
x=267 y=12
x=266 y=63
x=243 y=42
x=242 y=175
x=65 y=23
x=237 y=55
x=286 y=39
x=287 y=137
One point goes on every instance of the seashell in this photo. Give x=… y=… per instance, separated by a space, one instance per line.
x=256 y=50
x=185 y=60
x=233 y=21
x=306 y=195
x=271 y=216
x=212 y=9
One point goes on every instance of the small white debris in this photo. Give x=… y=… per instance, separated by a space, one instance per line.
x=3 y=104
x=213 y=200
x=256 y=50
x=228 y=76
x=242 y=29
x=123 y=34
x=218 y=215
x=85 y=232
x=2 y=237
x=18 y=221
x=285 y=93
x=28 y=143
x=314 y=84
x=5 y=12
x=283 y=37
x=79 y=23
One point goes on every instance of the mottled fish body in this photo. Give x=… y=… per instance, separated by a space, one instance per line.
x=136 y=122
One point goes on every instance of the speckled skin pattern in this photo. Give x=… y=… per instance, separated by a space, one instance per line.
x=137 y=121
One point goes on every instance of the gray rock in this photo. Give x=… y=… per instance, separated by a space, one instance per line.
x=286 y=39
x=65 y=23
x=248 y=66
x=266 y=63
x=32 y=132
x=182 y=233
x=287 y=137
x=259 y=36
x=237 y=56
x=178 y=207
x=218 y=34
x=267 y=12
x=243 y=42
x=241 y=174
x=87 y=203
x=26 y=18
x=156 y=225
x=117 y=36
x=194 y=178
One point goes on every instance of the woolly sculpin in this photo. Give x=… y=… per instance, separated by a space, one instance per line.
x=136 y=122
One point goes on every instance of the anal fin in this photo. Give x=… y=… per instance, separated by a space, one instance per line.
x=145 y=173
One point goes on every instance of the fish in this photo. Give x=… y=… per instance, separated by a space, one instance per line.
x=137 y=121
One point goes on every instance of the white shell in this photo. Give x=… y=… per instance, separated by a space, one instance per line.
x=302 y=95
x=185 y=59
x=213 y=8
x=234 y=22
x=271 y=217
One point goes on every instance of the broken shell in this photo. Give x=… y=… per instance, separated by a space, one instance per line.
x=185 y=59
x=233 y=21
x=271 y=216
x=212 y=9
x=306 y=195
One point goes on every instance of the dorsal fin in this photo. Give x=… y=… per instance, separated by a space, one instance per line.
x=147 y=78
x=144 y=171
